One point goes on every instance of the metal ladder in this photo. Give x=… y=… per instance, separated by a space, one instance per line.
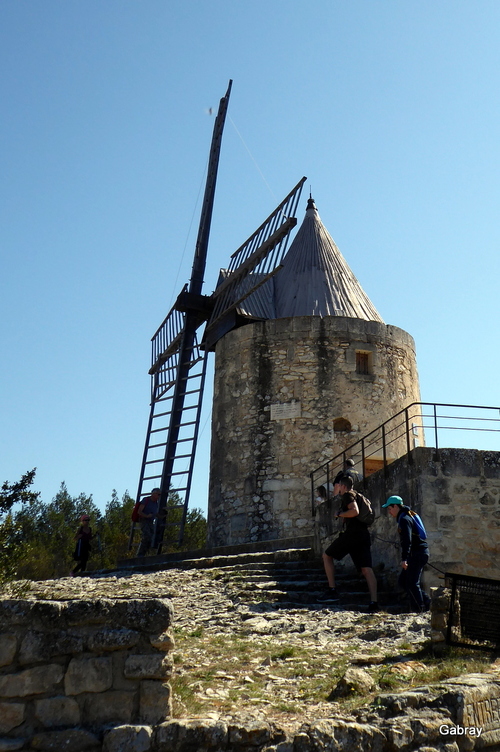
x=171 y=437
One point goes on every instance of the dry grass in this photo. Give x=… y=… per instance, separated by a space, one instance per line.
x=221 y=673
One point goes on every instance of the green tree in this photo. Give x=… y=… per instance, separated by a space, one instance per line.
x=10 y=532
x=195 y=527
x=114 y=531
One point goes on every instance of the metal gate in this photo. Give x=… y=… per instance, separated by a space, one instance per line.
x=474 y=618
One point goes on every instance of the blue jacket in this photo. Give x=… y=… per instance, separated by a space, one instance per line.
x=411 y=542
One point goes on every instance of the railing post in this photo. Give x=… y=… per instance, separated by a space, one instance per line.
x=436 y=456
x=313 y=505
x=408 y=448
x=363 y=461
x=384 y=451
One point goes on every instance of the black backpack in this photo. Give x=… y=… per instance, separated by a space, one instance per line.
x=366 y=513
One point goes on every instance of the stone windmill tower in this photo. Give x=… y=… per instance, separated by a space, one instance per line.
x=313 y=369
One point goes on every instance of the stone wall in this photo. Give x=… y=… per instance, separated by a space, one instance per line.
x=69 y=670
x=287 y=397
x=457 y=494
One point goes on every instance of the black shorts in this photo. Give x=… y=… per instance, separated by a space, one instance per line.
x=358 y=546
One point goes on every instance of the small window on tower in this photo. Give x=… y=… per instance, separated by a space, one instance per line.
x=341 y=425
x=363 y=362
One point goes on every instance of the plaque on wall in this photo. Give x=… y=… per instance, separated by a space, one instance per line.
x=282 y=411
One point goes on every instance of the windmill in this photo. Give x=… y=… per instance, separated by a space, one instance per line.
x=179 y=355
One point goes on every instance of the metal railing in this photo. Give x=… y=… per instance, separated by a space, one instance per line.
x=418 y=424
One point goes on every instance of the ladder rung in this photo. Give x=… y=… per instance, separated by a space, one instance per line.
x=169 y=412
x=181 y=456
x=183 y=425
x=161 y=399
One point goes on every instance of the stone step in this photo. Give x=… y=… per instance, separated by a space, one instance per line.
x=151 y=563
x=280 y=577
x=282 y=548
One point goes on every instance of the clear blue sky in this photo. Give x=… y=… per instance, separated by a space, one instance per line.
x=390 y=108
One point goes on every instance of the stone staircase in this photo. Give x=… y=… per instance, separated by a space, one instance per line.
x=286 y=577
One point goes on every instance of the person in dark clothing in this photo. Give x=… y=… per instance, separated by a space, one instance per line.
x=355 y=541
x=148 y=512
x=82 y=551
x=414 y=551
x=348 y=470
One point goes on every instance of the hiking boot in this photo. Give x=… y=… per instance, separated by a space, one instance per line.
x=331 y=595
x=373 y=607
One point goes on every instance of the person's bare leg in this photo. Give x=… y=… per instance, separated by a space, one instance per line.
x=371 y=581
x=330 y=570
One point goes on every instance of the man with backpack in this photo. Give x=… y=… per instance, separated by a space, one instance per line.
x=354 y=540
x=414 y=551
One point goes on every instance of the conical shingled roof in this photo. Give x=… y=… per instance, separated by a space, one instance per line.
x=316 y=280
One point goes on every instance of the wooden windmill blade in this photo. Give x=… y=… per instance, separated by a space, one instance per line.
x=178 y=376
x=253 y=264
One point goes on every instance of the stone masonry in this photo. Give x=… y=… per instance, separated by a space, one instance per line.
x=70 y=669
x=287 y=396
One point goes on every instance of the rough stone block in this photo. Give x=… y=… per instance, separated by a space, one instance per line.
x=41 y=646
x=14 y=612
x=84 y=612
x=75 y=740
x=163 y=641
x=128 y=739
x=8 y=646
x=155 y=704
x=460 y=462
x=11 y=745
x=201 y=733
x=32 y=681
x=57 y=711
x=281 y=501
x=148 y=614
x=253 y=734
x=354 y=680
x=491 y=465
x=147 y=667
x=88 y=675
x=437 y=636
x=400 y=733
x=11 y=715
x=108 y=707
x=355 y=737
x=238 y=522
x=439 y=621
x=119 y=679
x=113 y=639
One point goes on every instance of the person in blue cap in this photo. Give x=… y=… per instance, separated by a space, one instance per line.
x=414 y=551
